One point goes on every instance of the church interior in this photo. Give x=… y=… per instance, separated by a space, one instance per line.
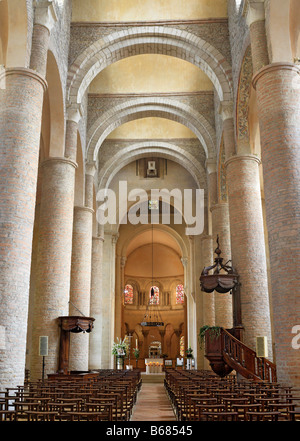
x=149 y=210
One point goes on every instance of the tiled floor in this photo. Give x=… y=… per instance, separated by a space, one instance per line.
x=152 y=404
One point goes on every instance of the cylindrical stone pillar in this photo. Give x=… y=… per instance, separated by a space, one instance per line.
x=80 y=284
x=96 y=303
x=278 y=102
x=255 y=18
x=208 y=298
x=108 y=299
x=74 y=114
x=54 y=260
x=278 y=96
x=20 y=123
x=248 y=246
x=21 y=102
x=221 y=228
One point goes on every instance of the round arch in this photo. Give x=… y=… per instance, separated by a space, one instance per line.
x=122 y=245
x=160 y=149
x=149 y=39
x=137 y=109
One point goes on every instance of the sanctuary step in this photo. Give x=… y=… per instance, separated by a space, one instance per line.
x=152 y=378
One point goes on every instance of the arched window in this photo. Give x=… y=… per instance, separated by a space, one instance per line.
x=181 y=343
x=154 y=299
x=179 y=295
x=128 y=295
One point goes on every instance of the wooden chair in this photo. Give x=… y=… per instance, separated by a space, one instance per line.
x=243 y=408
x=208 y=409
x=89 y=416
x=262 y=416
x=219 y=416
x=284 y=409
x=40 y=415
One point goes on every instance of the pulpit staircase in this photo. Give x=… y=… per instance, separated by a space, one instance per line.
x=226 y=353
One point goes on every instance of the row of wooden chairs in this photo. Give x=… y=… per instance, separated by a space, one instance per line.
x=203 y=396
x=108 y=396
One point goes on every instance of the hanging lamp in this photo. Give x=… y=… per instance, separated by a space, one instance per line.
x=152 y=315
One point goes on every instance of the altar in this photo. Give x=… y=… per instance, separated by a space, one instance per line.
x=154 y=365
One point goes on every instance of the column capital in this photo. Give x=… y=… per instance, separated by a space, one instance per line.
x=83 y=208
x=74 y=112
x=55 y=159
x=274 y=67
x=226 y=110
x=206 y=237
x=100 y=238
x=90 y=168
x=242 y=158
x=114 y=238
x=219 y=205
x=184 y=261
x=254 y=10
x=21 y=71
x=211 y=165
x=45 y=14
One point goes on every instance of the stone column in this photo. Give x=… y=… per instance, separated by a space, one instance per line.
x=254 y=12
x=80 y=287
x=221 y=228
x=44 y=20
x=108 y=300
x=21 y=100
x=96 y=301
x=278 y=99
x=248 y=246
x=74 y=114
x=54 y=259
x=208 y=299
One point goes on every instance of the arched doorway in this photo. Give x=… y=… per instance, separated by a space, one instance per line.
x=164 y=274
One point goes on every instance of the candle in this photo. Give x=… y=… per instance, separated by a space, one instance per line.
x=136 y=345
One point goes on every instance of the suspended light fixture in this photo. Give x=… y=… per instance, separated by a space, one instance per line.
x=224 y=279
x=152 y=315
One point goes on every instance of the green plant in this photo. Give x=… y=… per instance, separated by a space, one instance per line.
x=214 y=332
x=120 y=348
x=136 y=352
x=189 y=352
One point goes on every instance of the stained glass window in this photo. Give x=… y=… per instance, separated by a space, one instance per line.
x=154 y=300
x=181 y=346
x=128 y=295
x=179 y=295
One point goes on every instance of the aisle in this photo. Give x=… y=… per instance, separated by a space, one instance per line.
x=152 y=404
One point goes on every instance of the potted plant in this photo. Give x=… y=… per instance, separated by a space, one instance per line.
x=189 y=352
x=120 y=349
x=136 y=353
x=213 y=332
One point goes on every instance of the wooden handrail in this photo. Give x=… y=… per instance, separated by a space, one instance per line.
x=244 y=360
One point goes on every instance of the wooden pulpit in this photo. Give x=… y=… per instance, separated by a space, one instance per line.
x=69 y=324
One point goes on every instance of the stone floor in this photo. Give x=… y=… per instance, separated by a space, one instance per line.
x=152 y=404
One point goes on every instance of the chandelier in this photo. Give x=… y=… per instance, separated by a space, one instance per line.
x=223 y=279
x=152 y=316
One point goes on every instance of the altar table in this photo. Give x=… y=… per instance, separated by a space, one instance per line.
x=154 y=365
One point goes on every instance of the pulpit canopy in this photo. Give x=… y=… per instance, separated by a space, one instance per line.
x=76 y=324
